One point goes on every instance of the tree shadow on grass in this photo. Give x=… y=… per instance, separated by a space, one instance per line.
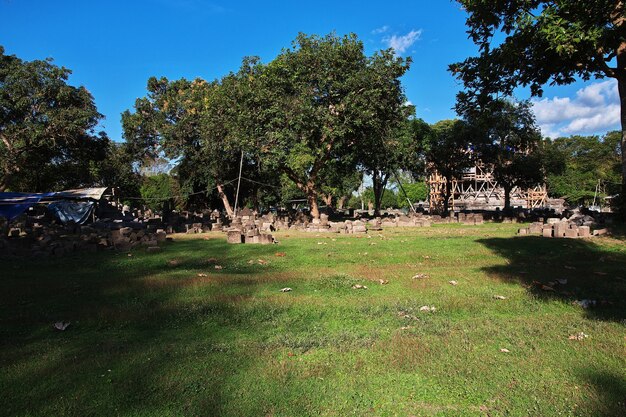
x=593 y=272
x=137 y=344
x=610 y=388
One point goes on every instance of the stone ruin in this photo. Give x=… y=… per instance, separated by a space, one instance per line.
x=245 y=228
x=578 y=225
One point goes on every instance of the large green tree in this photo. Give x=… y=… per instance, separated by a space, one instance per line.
x=185 y=121
x=506 y=139
x=591 y=167
x=324 y=99
x=47 y=127
x=535 y=42
x=397 y=146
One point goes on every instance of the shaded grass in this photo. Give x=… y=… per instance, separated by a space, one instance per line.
x=151 y=337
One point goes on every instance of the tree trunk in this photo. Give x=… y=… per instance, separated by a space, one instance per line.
x=224 y=197
x=328 y=200
x=341 y=202
x=315 y=210
x=507 y=197
x=621 y=84
x=446 y=198
x=379 y=181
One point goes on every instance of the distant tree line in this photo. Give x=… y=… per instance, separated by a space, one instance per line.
x=309 y=125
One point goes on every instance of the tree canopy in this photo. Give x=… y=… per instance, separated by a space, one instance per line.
x=48 y=135
x=591 y=167
x=536 y=42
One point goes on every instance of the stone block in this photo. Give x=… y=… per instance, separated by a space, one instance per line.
x=547 y=232
x=522 y=232
x=126 y=231
x=160 y=235
x=265 y=239
x=535 y=228
x=600 y=232
x=252 y=239
x=560 y=228
x=571 y=233
x=234 y=236
x=584 y=231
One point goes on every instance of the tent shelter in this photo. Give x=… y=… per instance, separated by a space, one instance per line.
x=68 y=206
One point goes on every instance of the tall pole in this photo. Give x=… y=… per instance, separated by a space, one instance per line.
x=404 y=192
x=238 y=184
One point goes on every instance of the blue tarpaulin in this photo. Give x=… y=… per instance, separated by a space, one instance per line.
x=14 y=204
x=72 y=211
x=63 y=203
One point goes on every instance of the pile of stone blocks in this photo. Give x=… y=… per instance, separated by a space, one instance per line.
x=470 y=218
x=561 y=229
x=407 y=221
x=247 y=232
x=39 y=240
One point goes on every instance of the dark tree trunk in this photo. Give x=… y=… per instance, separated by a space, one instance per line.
x=446 y=198
x=507 y=197
x=379 y=182
x=621 y=83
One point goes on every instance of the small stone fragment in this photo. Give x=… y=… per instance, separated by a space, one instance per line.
x=61 y=325
x=505 y=350
x=280 y=254
x=578 y=336
x=428 y=309
x=585 y=303
x=218 y=267
x=359 y=287
x=419 y=276
x=499 y=297
x=453 y=282
x=202 y=275
x=383 y=281
x=286 y=289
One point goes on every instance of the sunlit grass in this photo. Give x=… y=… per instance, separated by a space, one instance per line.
x=155 y=337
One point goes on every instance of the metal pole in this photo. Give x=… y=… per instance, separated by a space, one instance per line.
x=404 y=192
x=238 y=184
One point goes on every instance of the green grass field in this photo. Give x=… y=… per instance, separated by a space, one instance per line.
x=150 y=337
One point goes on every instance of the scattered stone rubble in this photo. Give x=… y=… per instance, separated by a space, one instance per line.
x=42 y=240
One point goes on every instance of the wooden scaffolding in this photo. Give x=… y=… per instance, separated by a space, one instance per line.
x=477 y=189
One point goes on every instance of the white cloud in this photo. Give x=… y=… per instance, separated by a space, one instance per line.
x=594 y=110
x=401 y=43
x=380 y=30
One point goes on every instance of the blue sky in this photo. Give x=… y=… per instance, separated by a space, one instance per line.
x=113 y=47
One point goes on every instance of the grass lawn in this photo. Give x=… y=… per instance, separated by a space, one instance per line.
x=149 y=336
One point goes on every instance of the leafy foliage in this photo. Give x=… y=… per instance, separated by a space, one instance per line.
x=506 y=138
x=588 y=161
x=447 y=153
x=543 y=41
x=47 y=127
